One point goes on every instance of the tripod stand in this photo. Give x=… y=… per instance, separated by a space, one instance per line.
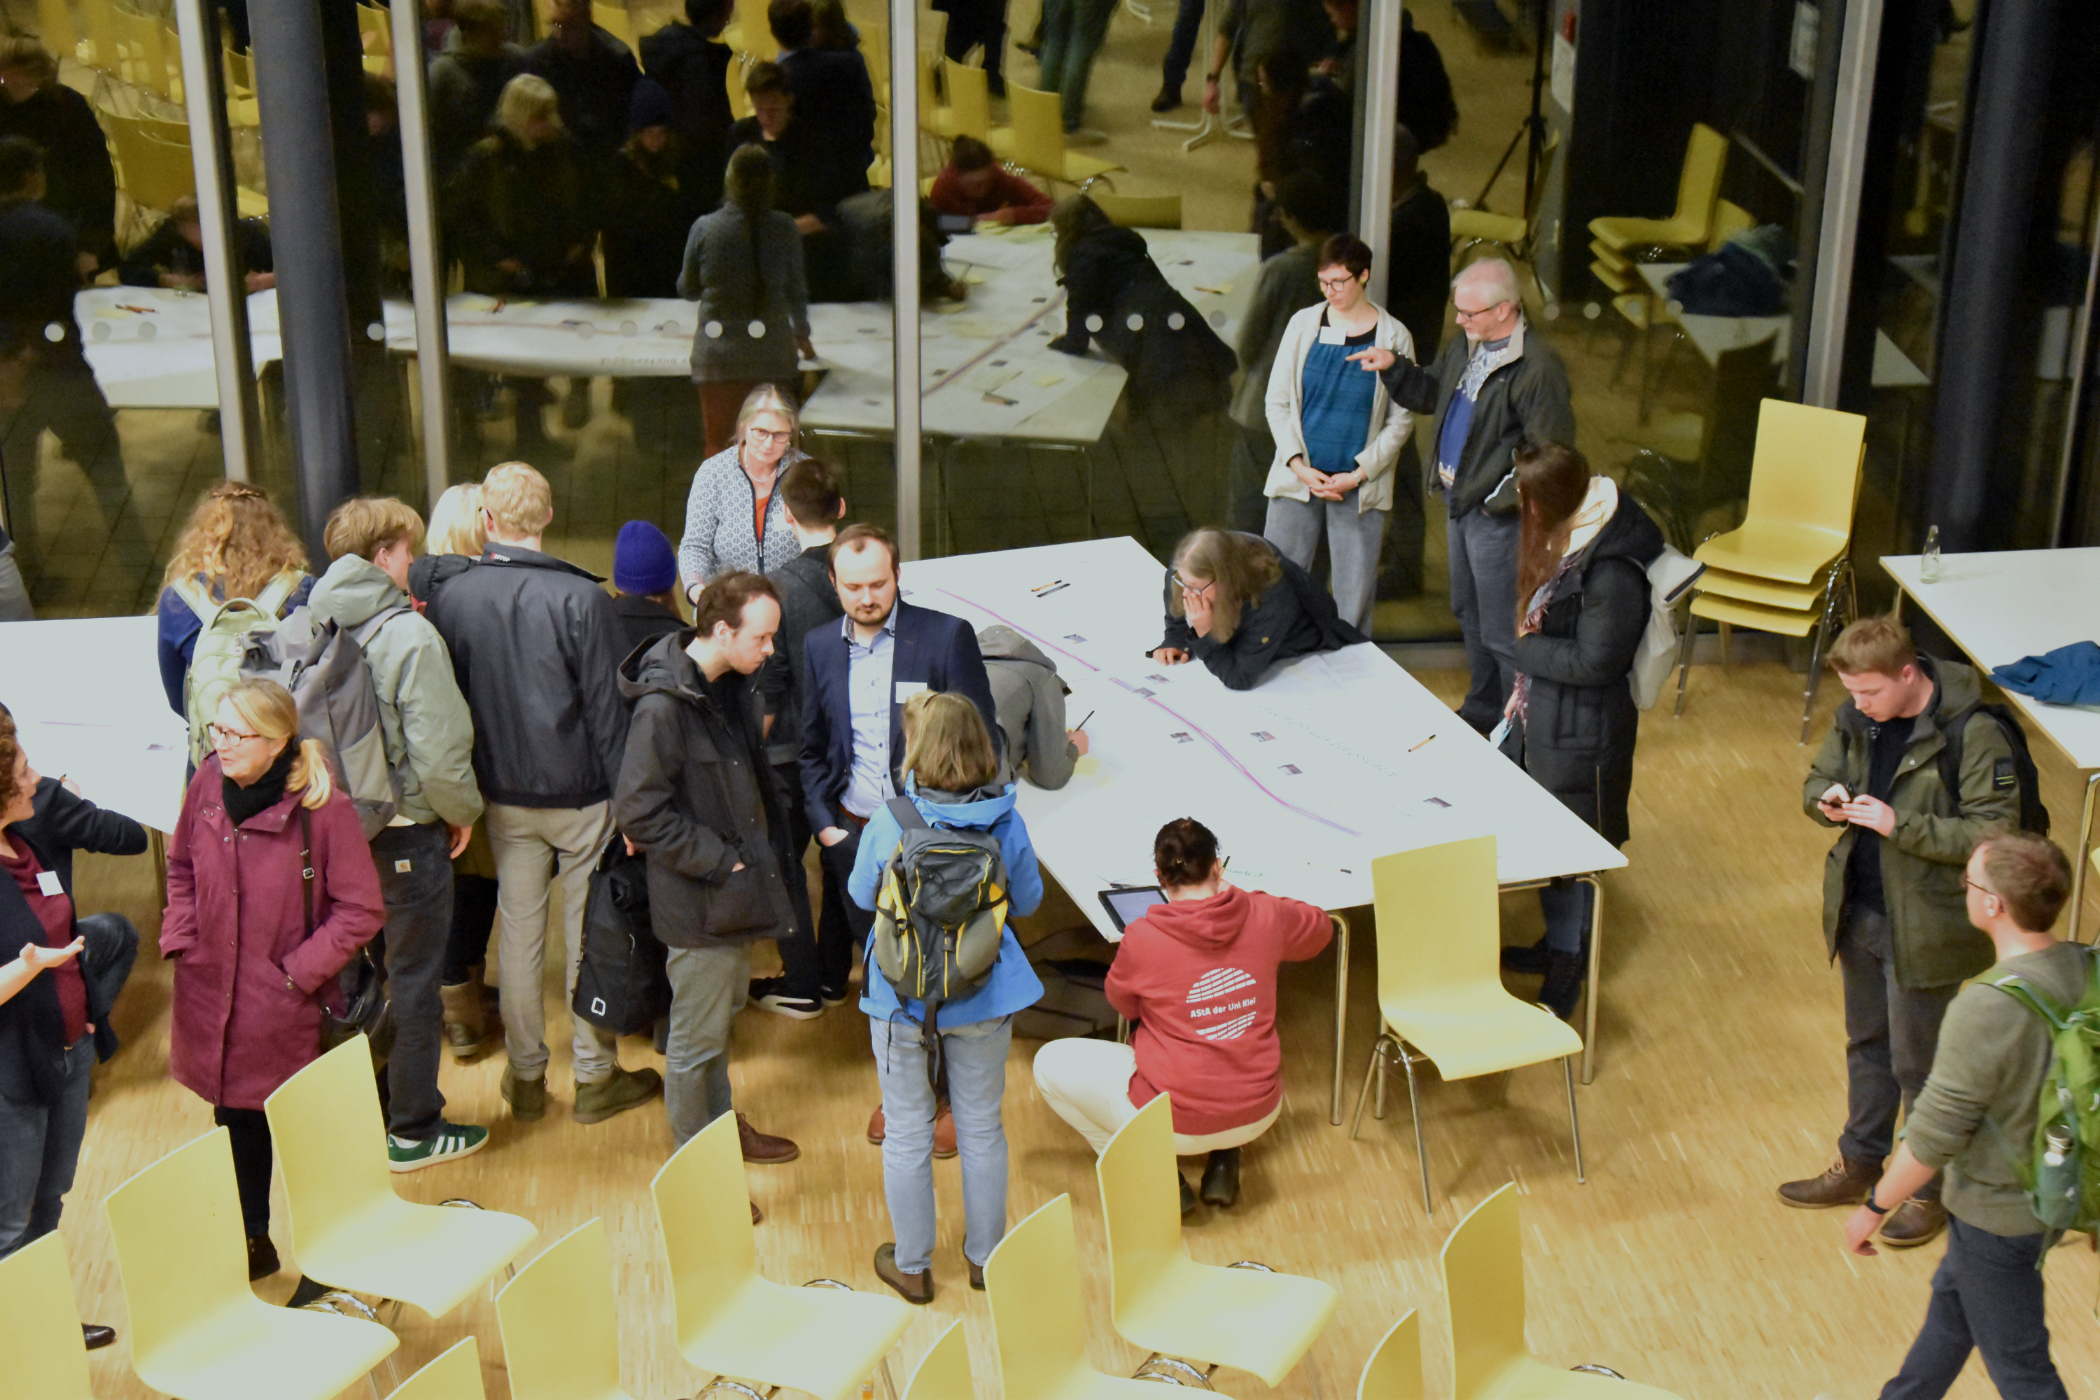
x=1531 y=128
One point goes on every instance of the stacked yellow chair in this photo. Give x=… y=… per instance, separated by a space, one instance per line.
x=1440 y=994
x=1787 y=568
x=1036 y=141
x=1247 y=1316
x=46 y=1359
x=969 y=108
x=561 y=1334
x=1616 y=242
x=1139 y=210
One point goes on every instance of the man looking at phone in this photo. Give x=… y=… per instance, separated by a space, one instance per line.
x=1894 y=918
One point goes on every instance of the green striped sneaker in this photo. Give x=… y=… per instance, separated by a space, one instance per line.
x=450 y=1141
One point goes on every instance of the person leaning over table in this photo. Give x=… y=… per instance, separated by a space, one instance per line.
x=1582 y=577
x=55 y=997
x=734 y=516
x=1975 y=1120
x=1337 y=432
x=1892 y=890
x=1239 y=605
x=254 y=943
x=973 y=185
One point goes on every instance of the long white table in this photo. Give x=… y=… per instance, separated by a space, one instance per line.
x=1332 y=761
x=85 y=694
x=1999 y=607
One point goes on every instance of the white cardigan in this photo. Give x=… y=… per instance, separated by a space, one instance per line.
x=1389 y=425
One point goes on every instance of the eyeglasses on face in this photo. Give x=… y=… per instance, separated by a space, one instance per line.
x=1980 y=889
x=1192 y=586
x=1467 y=315
x=767 y=435
x=224 y=738
x=1335 y=284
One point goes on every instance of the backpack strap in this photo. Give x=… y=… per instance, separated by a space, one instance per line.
x=1951 y=749
x=365 y=631
x=272 y=599
x=306 y=866
x=908 y=818
x=197 y=597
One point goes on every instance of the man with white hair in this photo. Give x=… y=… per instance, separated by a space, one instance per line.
x=1493 y=389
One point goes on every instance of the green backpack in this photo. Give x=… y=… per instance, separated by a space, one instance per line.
x=222 y=642
x=2061 y=1171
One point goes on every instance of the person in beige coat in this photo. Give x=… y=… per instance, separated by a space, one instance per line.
x=1338 y=437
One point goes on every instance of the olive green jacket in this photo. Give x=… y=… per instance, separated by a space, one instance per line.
x=1922 y=860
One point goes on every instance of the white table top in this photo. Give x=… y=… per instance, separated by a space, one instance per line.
x=1999 y=607
x=86 y=697
x=1305 y=778
x=1712 y=336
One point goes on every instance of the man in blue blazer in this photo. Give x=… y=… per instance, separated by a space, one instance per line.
x=859 y=672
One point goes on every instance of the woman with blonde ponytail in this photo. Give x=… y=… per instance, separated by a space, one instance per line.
x=271 y=892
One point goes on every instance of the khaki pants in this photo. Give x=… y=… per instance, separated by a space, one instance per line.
x=537 y=848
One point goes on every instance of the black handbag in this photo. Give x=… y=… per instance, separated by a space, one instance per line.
x=621 y=984
x=358 y=1002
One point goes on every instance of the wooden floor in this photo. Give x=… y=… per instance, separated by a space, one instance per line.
x=1720 y=1074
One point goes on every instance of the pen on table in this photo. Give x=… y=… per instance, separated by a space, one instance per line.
x=1417 y=746
x=1042 y=586
x=1089 y=715
x=1046 y=592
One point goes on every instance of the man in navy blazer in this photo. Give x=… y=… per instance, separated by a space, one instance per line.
x=859 y=671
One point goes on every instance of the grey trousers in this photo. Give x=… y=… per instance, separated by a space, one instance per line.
x=708 y=985
x=536 y=849
x=1353 y=539
x=1891 y=1034
x=1483 y=551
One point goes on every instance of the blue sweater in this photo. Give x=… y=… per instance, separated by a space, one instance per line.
x=1013 y=984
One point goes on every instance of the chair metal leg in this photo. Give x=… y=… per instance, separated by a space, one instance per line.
x=1684 y=658
x=1370 y=1073
x=889 y=1385
x=1567 y=1065
x=1341 y=1007
x=1414 y=1108
x=1595 y=975
x=1378 y=1093
x=1822 y=635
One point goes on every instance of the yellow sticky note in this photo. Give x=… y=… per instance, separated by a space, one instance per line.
x=974 y=276
x=1044 y=381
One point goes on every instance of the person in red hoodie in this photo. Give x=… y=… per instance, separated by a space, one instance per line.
x=1197 y=978
x=974 y=185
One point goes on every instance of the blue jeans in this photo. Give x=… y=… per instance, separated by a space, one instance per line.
x=39 y=1147
x=1987 y=1297
x=1072 y=35
x=1567 y=910
x=975 y=1056
x=1484 y=598
x=1188 y=23
x=418 y=925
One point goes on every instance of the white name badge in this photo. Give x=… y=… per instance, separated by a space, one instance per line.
x=1332 y=335
x=47 y=883
x=907 y=689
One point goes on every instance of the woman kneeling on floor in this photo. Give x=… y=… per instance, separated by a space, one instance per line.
x=1197 y=978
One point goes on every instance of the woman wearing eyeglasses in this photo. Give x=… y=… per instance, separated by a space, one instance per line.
x=1240 y=606
x=734 y=519
x=256 y=940
x=1338 y=434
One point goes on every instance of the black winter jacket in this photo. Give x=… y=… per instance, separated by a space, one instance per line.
x=1581 y=720
x=1183 y=368
x=532 y=640
x=807 y=601
x=1523 y=401
x=1295 y=617
x=694 y=69
x=31 y=1029
x=697 y=796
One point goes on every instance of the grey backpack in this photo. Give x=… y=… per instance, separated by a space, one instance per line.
x=324 y=668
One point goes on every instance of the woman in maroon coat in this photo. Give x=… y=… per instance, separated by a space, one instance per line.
x=249 y=965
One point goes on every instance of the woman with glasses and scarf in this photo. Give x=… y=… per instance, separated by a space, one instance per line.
x=1240 y=606
x=734 y=518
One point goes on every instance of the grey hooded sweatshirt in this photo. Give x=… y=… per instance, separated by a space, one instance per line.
x=1030 y=702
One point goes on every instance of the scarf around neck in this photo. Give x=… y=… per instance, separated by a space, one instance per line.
x=262 y=794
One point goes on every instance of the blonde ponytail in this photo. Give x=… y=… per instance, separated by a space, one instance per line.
x=310 y=772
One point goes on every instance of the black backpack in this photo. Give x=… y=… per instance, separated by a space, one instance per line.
x=2017 y=771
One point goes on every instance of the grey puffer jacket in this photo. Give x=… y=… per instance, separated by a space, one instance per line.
x=1030 y=701
x=697 y=796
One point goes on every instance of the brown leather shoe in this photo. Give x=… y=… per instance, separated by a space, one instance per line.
x=976 y=1276
x=943 y=1133
x=1846 y=1183
x=916 y=1289
x=757 y=1215
x=877 y=1128
x=763 y=1147
x=1917 y=1221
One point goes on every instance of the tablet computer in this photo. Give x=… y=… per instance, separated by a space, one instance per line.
x=1130 y=902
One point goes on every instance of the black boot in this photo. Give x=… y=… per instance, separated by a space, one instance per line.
x=1529 y=961
x=262 y=1257
x=1563 y=985
x=1188 y=1195
x=1221 y=1178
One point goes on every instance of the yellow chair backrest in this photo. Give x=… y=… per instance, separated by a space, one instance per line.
x=1437 y=918
x=1730 y=219
x=375 y=27
x=1699 y=184
x=1484 y=1288
x=45 y=1358
x=145 y=39
x=330 y=1135
x=1039 y=131
x=754 y=30
x=156 y=172
x=614 y=21
x=1139 y=210
x=1394 y=1371
x=181 y=1250
x=929 y=101
x=704 y=1209
x=1806 y=471
x=561 y=1335
x=969 y=98
x=875 y=52
x=933 y=32
x=455 y=1375
x=102 y=33
x=55 y=21
x=1141 y=1200
x=240 y=73
x=1032 y=1284
x=944 y=1372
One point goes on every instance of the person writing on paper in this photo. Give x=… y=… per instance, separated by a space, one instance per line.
x=1240 y=606
x=1206 y=959
x=255 y=940
x=55 y=996
x=1030 y=699
x=1337 y=432
x=952 y=781
x=1975 y=1120
x=973 y=185
x=1582 y=574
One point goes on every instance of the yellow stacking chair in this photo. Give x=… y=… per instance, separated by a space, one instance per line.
x=55 y=29
x=1788 y=567
x=1484 y=1280
x=46 y=1359
x=1516 y=233
x=750 y=34
x=969 y=109
x=376 y=31
x=732 y=1323
x=143 y=40
x=197 y=1329
x=1032 y=1284
x=944 y=1372
x=349 y=1229
x=103 y=50
x=1440 y=995
x=1394 y=1371
x=455 y=1375
x=1036 y=140
x=875 y=52
x=561 y=1336
x=614 y=20
x=1689 y=226
x=1139 y=210
x=1246 y=1316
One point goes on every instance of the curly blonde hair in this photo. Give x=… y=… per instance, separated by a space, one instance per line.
x=269 y=707
x=236 y=541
